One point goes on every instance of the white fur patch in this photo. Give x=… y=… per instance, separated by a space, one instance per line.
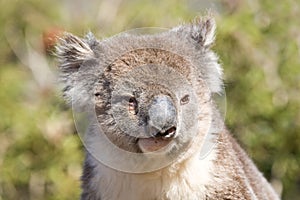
x=185 y=180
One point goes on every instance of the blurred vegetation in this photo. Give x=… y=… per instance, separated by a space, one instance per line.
x=259 y=46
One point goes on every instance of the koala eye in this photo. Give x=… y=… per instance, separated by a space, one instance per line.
x=132 y=105
x=185 y=99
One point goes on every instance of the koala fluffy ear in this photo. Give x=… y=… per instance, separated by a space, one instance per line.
x=76 y=58
x=72 y=52
x=201 y=30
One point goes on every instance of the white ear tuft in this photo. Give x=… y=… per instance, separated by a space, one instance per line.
x=72 y=51
x=203 y=30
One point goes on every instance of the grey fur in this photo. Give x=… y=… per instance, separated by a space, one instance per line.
x=92 y=73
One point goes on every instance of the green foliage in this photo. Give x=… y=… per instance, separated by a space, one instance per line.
x=259 y=47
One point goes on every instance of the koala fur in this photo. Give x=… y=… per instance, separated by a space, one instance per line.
x=168 y=79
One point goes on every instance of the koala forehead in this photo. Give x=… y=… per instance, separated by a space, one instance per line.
x=123 y=52
x=127 y=62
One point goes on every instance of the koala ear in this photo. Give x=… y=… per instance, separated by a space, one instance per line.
x=72 y=51
x=75 y=57
x=201 y=30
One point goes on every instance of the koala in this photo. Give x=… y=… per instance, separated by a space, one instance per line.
x=154 y=130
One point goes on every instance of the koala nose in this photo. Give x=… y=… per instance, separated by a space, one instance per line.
x=162 y=116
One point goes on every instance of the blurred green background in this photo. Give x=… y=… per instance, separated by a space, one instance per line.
x=259 y=46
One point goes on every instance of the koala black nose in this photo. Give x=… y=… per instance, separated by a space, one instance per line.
x=162 y=116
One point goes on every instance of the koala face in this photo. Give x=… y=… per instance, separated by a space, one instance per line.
x=149 y=93
x=151 y=100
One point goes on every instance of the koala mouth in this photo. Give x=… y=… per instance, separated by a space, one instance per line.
x=158 y=141
x=167 y=134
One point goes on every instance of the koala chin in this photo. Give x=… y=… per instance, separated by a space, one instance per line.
x=152 y=95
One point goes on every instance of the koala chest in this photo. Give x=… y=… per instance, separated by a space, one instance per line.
x=187 y=181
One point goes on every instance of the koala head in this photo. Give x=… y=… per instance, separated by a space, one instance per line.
x=149 y=93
